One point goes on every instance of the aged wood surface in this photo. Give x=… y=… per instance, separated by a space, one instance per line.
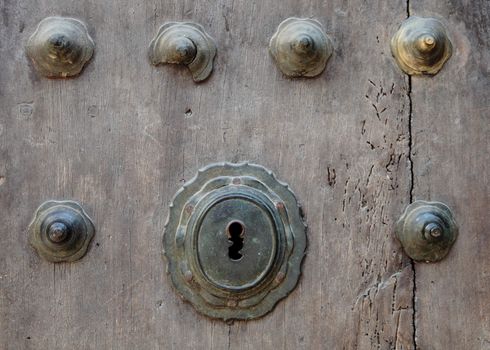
x=451 y=154
x=124 y=136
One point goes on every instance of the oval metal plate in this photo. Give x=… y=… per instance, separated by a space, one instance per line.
x=234 y=241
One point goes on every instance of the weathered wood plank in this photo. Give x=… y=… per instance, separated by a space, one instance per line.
x=118 y=139
x=451 y=154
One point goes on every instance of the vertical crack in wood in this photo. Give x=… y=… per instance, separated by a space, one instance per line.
x=229 y=337
x=410 y=138
x=414 y=313
x=410 y=148
x=411 y=196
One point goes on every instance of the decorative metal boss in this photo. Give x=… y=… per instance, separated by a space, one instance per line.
x=421 y=46
x=234 y=241
x=184 y=43
x=60 y=47
x=427 y=231
x=301 y=47
x=61 y=231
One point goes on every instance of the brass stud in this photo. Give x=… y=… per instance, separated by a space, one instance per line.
x=61 y=231
x=427 y=231
x=60 y=47
x=421 y=46
x=187 y=44
x=300 y=47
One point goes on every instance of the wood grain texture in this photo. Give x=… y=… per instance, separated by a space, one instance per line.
x=124 y=136
x=451 y=154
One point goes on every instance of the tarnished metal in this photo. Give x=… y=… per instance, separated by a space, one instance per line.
x=60 y=47
x=184 y=43
x=234 y=241
x=421 y=46
x=427 y=231
x=301 y=47
x=61 y=231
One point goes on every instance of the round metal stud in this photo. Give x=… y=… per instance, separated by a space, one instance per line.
x=60 y=47
x=300 y=47
x=427 y=231
x=61 y=231
x=232 y=251
x=184 y=43
x=421 y=46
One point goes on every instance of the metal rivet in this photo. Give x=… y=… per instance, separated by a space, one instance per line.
x=60 y=47
x=232 y=303
x=280 y=277
x=421 y=46
x=187 y=44
x=432 y=230
x=301 y=47
x=58 y=232
x=61 y=231
x=427 y=231
x=188 y=276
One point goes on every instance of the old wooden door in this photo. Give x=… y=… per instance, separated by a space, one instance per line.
x=357 y=144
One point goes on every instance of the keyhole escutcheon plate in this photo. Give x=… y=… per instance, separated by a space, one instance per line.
x=234 y=241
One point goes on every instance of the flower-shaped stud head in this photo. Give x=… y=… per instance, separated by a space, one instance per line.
x=61 y=231
x=300 y=47
x=427 y=231
x=187 y=44
x=421 y=46
x=60 y=47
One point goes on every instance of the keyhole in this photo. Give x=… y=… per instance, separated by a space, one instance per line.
x=235 y=232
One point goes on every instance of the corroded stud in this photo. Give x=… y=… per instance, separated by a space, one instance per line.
x=427 y=231
x=421 y=46
x=60 y=47
x=300 y=47
x=187 y=44
x=61 y=231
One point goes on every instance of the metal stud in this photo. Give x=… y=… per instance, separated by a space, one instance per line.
x=60 y=47
x=187 y=44
x=300 y=47
x=427 y=231
x=61 y=231
x=421 y=46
